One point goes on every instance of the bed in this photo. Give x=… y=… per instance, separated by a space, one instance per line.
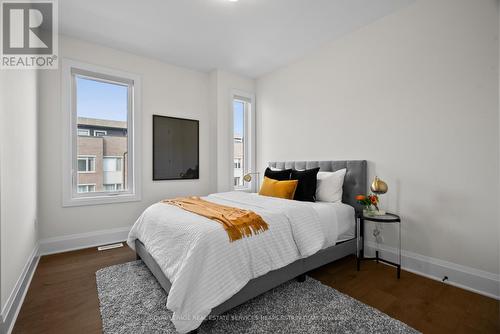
x=205 y=275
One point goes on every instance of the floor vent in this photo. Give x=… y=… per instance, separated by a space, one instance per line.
x=112 y=246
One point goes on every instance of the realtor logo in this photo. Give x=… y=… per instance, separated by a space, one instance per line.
x=29 y=34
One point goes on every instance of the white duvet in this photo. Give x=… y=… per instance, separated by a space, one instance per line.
x=205 y=269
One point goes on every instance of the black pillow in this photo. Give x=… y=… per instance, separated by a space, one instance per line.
x=306 y=188
x=280 y=175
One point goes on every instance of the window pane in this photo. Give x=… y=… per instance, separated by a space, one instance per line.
x=239 y=142
x=91 y=164
x=85 y=188
x=83 y=132
x=109 y=164
x=82 y=165
x=109 y=187
x=102 y=109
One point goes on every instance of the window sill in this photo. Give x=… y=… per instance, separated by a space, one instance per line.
x=102 y=199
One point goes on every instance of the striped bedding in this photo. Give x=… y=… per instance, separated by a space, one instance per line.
x=205 y=269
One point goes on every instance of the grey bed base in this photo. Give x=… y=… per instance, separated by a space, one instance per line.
x=259 y=285
x=354 y=183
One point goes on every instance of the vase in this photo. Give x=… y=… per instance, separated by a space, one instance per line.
x=369 y=211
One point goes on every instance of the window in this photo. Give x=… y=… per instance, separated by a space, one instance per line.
x=86 y=164
x=237 y=163
x=97 y=167
x=113 y=187
x=86 y=188
x=242 y=139
x=112 y=164
x=83 y=132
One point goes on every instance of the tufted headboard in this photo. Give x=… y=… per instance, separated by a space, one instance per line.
x=355 y=178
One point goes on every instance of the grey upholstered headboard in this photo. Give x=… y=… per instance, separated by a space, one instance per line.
x=354 y=181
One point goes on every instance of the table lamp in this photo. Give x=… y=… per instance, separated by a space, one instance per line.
x=248 y=178
x=379 y=187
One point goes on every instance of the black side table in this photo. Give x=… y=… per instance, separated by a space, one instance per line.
x=388 y=218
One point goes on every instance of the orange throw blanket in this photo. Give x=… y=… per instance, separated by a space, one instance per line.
x=238 y=223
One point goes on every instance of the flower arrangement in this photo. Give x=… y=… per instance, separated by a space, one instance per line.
x=367 y=201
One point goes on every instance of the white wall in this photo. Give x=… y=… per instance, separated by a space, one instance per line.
x=18 y=176
x=166 y=90
x=225 y=82
x=416 y=94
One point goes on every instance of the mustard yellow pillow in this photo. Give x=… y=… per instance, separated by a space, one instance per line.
x=282 y=189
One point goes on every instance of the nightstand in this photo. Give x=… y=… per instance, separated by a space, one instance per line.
x=388 y=218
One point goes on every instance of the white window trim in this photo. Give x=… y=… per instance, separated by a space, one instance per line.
x=250 y=144
x=105 y=132
x=70 y=197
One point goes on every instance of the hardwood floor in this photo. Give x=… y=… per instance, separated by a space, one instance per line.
x=62 y=297
x=427 y=305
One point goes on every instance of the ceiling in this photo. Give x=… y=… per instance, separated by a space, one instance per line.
x=248 y=37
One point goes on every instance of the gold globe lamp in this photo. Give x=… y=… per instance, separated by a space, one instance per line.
x=248 y=178
x=379 y=187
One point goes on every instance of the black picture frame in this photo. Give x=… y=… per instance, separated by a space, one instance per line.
x=160 y=148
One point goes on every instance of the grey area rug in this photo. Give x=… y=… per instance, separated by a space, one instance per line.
x=132 y=301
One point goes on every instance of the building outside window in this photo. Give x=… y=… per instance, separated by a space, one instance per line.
x=110 y=153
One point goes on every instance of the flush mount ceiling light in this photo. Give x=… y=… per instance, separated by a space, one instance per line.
x=233 y=0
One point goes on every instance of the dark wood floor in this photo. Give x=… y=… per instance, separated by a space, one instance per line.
x=62 y=297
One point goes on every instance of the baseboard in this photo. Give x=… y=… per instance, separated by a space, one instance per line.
x=478 y=281
x=83 y=240
x=15 y=301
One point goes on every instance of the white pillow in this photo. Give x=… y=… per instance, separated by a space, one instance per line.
x=329 y=186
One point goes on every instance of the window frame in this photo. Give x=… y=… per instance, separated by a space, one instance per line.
x=86 y=185
x=85 y=135
x=248 y=164
x=87 y=163
x=103 y=131
x=71 y=197
x=113 y=184
x=116 y=157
